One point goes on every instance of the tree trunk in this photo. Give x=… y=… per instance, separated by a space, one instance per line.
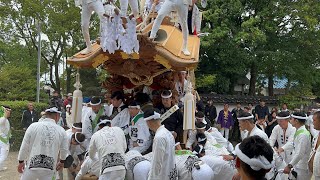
x=68 y=80
x=270 y=85
x=56 y=74
x=253 y=79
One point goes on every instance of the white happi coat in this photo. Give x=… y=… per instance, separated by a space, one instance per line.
x=139 y=133
x=41 y=145
x=4 y=141
x=74 y=150
x=193 y=138
x=89 y=166
x=88 y=116
x=316 y=160
x=132 y=158
x=4 y=128
x=110 y=144
x=223 y=170
x=163 y=161
x=255 y=132
x=122 y=119
x=301 y=146
x=283 y=138
x=220 y=139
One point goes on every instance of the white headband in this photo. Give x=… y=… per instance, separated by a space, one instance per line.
x=202 y=120
x=178 y=143
x=104 y=121
x=245 y=118
x=95 y=103
x=201 y=139
x=168 y=96
x=76 y=127
x=201 y=127
x=280 y=118
x=137 y=106
x=299 y=117
x=75 y=137
x=255 y=163
x=154 y=116
x=53 y=110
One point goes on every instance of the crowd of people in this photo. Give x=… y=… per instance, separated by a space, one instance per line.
x=136 y=139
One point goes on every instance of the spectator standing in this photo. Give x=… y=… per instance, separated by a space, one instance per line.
x=261 y=113
x=67 y=100
x=56 y=100
x=29 y=116
x=272 y=122
x=225 y=121
x=211 y=112
x=235 y=134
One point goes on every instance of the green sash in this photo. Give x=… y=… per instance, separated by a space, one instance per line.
x=136 y=118
x=183 y=152
x=6 y=140
x=95 y=121
x=301 y=131
x=218 y=146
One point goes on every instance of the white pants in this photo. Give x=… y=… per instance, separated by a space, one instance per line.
x=141 y=170
x=204 y=173
x=133 y=5
x=86 y=13
x=114 y=175
x=166 y=8
x=303 y=174
x=4 y=151
x=29 y=174
x=225 y=133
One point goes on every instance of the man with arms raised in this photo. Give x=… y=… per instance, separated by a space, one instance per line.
x=41 y=145
x=163 y=162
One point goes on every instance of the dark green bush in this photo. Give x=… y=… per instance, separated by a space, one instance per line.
x=15 y=120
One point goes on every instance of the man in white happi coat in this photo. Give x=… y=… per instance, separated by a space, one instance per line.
x=90 y=167
x=137 y=166
x=138 y=129
x=43 y=142
x=163 y=163
x=301 y=146
x=89 y=6
x=283 y=133
x=182 y=8
x=91 y=116
x=248 y=128
x=120 y=115
x=5 y=134
x=189 y=166
x=110 y=145
x=314 y=160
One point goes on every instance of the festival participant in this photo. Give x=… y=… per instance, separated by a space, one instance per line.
x=90 y=168
x=5 y=134
x=254 y=157
x=182 y=9
x=138 y=129
x=137 y=166
x=120 y=115
x=163 y=162
x=248 y=128
x=225 y=121
x=182 y=84
x=174 y=122
x=200 y=129
x=41 y=145
x=87 y=7
x=91 y=116
x=314 y=161
x=301 y=146
x=110 y=145
x=282 y=134
x=189 y=166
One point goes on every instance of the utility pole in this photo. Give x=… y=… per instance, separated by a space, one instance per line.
x=39 y=58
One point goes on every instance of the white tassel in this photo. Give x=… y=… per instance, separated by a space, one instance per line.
x=77 y=99
x=189 y=108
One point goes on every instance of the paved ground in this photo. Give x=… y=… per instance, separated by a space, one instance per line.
x=11 y=173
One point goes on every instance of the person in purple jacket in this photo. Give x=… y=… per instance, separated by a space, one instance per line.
x=225 y=121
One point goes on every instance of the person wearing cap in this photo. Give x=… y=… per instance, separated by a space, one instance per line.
x=163 y=148
x=301 y=145
x=254 y=158
x=91 y=116
x=120 y=115
x=29 y=116
x=282 y=134
x=174 y=122
x=137 y=166
x=41 y=146
x=110 y=144
x=248 y=128
x=138 y=129
x=314 y=160
x=225 y=121
x=5 y=134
